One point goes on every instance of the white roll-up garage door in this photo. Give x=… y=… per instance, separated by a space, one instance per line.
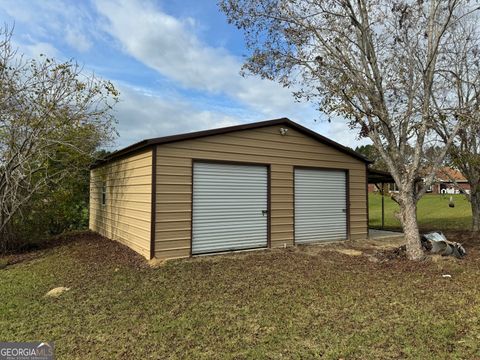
x=320 y=205
x=229 y=207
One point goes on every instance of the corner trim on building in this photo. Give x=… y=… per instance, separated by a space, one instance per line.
x=154 y=202
x=366 y=197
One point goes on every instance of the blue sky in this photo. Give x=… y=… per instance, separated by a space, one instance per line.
x=176 y=64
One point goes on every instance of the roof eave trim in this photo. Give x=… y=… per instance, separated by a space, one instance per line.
x=218 y=131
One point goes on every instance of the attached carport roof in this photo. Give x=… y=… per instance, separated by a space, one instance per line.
x=198 y=134
x=379 y=176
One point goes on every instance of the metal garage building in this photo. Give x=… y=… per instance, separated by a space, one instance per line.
x=267 y=184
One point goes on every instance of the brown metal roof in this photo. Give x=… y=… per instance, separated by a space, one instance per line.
x=198 y=134
x=448 y=174
x=379 y=176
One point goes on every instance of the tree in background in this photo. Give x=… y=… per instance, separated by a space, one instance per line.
x=376 y=63
x=53 y=118
x=61 y=206
x=464 y=154
x=371 y=153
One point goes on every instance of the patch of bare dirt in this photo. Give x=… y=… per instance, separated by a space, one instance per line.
x=28 y=254
x=398 y=253
x=86 y=247
x=350 y=252
x=390 y=251
x=96 y=249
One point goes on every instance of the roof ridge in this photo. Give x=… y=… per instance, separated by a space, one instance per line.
x=222 y=130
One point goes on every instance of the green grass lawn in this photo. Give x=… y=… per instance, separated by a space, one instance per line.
x=289 y=304
x=433 y=212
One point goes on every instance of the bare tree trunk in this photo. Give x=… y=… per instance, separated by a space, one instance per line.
x=408 y=217
x=475 y=204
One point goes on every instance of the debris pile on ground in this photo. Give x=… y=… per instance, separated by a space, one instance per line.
x=388 y=254
x=437 y=243
x=433 y=243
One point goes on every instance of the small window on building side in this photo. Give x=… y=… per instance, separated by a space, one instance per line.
x=104 y=193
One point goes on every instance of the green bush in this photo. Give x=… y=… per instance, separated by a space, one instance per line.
x=61 y=208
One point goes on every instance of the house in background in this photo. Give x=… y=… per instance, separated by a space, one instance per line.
x=376 y=188
x=447 y=181
x=261 y=185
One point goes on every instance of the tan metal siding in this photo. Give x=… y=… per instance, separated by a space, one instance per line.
x=266 y=146
x=126 y=216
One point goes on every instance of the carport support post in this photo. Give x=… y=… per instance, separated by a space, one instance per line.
x=383 y=205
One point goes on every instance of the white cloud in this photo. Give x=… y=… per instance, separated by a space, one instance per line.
x=143 y=115
x=35 y=49
x=76 y=39
x=52 y=20
x=170 y=46
x=339 y=131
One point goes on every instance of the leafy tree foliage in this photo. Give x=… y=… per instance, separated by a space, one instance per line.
x=371 y=153
x=53 y=118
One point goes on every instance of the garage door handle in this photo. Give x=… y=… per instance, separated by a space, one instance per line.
x=344 y=210
x=264 y=212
